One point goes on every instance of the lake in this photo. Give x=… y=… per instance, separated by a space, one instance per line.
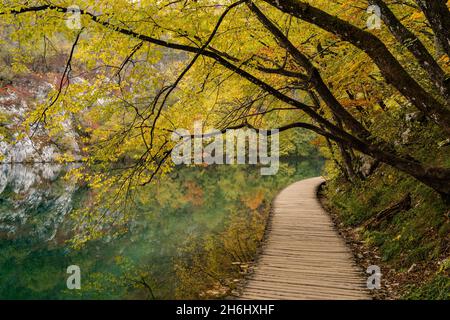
x=192 y=235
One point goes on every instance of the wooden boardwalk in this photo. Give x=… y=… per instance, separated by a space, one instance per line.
x=303 y=256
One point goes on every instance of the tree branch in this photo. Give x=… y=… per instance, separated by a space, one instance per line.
x=416 y=47
x=391 y=69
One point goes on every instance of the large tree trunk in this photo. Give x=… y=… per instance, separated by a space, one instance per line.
x=436 y=178
x=348 y=163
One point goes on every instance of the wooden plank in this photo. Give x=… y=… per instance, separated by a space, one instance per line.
x=303 y=256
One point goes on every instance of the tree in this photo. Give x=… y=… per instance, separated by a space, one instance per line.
x=266 y=45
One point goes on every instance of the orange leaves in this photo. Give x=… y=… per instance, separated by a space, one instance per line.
x=253 y=201
x=318 y=142
x=194 y=193
x=267 y=52
x=349 y=103
x=417 y=16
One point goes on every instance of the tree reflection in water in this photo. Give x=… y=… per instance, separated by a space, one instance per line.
x=192 y=235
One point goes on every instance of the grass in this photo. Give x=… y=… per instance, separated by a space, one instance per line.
x=436 y=289
x=417 y=237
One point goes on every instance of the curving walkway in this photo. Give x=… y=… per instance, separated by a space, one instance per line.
x=303 y=256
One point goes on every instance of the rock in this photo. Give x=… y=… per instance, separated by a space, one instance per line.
x=16 y=102
x=25 y=188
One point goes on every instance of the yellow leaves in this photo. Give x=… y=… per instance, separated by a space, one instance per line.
x=75 y=173
x=19 y=68
x=65 y=158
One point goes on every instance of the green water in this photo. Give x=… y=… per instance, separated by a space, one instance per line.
x=177 y=241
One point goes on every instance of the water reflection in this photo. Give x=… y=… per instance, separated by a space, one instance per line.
x=192 y=235
x=33 y=200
